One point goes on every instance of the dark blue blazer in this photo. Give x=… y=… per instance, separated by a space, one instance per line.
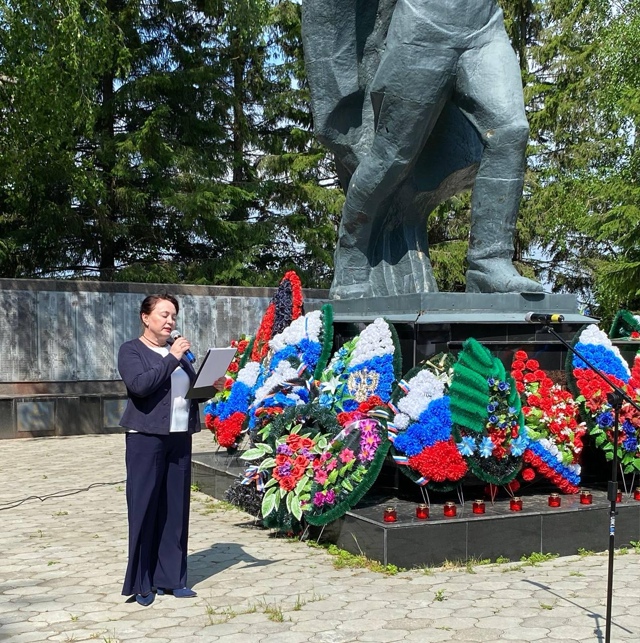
x=147 y=376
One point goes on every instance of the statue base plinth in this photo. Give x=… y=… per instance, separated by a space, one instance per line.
x=459 y=308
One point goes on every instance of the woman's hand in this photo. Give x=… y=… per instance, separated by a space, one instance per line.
x=219 y=383
x=179 y=347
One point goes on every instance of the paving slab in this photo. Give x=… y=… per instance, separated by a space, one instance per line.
x=63 y=548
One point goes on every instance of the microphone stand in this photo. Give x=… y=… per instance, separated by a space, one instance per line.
x=615 y=399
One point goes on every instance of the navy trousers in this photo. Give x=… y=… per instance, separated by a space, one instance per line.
x=158 y=493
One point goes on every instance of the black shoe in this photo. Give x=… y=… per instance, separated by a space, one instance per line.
x=145 y=599
x=181 y=592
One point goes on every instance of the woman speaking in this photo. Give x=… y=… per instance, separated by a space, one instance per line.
x=160 y=422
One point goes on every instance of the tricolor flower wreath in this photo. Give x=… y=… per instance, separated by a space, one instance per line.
x=285 y=306
x=420 y=432
x=362 y=368
x=487 y=415
x=594 y=345
x=296 y=357
x=551 y=419
x=227 y=419
x=344 y=436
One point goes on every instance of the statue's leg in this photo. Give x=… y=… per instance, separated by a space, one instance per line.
x=489 y=92
x=403 y=124
x=401 y=255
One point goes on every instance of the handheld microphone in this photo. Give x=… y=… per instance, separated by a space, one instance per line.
x=189 y=355
x=544 y=318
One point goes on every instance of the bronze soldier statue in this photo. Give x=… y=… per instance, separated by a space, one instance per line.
x=418 y=100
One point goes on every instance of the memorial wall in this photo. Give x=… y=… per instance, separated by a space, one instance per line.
x=60 y=340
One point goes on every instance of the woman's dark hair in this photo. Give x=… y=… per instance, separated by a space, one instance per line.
x=151 y=301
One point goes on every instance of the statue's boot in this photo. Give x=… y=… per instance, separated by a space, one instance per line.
x=356 y=290
x=499 y=275
x=493 y=220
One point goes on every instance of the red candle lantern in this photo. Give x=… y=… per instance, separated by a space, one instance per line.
x=619 y=496
x=515 y=504
x=586 y=498
x=450 y=509
x=422 y=512
x=555 y=500
x=636 y=493
x=478 y=507
x=390 y=514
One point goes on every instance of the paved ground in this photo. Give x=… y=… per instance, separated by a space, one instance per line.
x=62 y=562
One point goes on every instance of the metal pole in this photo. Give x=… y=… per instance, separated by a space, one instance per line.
x=616 y=402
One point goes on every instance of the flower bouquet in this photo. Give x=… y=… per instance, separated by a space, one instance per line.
x=486 y=411
x=551 y=420
x=420 y=432
x=592 y=391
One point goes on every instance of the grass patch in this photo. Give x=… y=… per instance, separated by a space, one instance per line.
x=467 y=565
x=225 y=614
x=576 y=574
x=475 y=562
x=301 y=602
x=535 y=558
x=212 y=506
x=583 y=553
x=274 y=613
x=439 y=595
x=343 y=559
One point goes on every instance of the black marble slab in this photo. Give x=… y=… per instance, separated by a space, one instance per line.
x=214 y=472
x=500 y=532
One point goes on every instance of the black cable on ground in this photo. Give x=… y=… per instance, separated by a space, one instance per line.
x=58 y=494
